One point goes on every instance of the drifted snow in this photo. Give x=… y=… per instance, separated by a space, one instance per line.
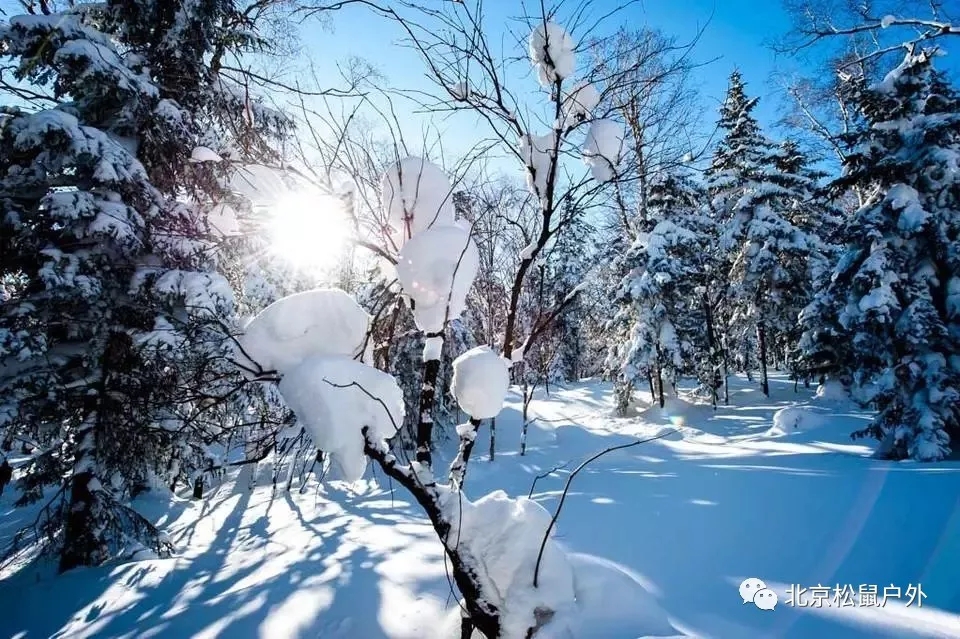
x=436 y=268
x=335 y=398
x=552 y=53
x=416 y=194
x=481 y=379
x=603 y=149
x=303 y=325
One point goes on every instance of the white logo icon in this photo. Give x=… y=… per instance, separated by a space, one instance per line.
x=754 y=591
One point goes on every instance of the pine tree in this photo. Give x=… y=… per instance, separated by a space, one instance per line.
x=669 y=336
x=889 y=314
x=112 y=338
x=765 y=256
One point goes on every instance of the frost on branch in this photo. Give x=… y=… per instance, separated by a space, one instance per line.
x=481 y=379
x=579 y=103
x=335 y=398
x=603 y=149
x=300 y=326
x=552 y=53
x=538 y=152
x=416 y=194
x=436 y=268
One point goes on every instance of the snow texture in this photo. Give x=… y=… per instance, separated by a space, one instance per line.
x=887 y=21
x=303 y=325
x=436 y=268
x=503 y=535
x=223 y=220
x=579 y=103
x=416 y=194
x=538 y=153
x=552 y=53
x=481 y=379
x=335 y=398
x=204 y=154
x=603 y=149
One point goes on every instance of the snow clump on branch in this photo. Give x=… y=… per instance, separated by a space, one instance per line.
x=603 y=149
x=436 y=268
x=552 y=53
x=481 y=379
x=416 y=194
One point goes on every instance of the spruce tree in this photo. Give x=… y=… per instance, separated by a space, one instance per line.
x=112 y=338
x=765 y=257
x=889 y=315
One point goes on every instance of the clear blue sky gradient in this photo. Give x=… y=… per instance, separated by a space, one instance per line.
x=737 y=35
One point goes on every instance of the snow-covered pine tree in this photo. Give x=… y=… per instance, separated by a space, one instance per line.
x=765 y=256
x=889 y=314
x=112 y=338
x=567 y=264
x=670 y=334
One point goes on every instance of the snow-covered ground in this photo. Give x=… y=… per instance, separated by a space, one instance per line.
x=683 y=520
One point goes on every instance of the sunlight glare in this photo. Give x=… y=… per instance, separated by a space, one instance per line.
x=309 y=229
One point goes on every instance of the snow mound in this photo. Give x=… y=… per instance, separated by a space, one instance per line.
x=504 y=535
x=603 y=149
x=416 y=194
x=579 y=103
x=436 y=268
x=481 y=379
x=612 y=603
x=335 y=398
x=796 y=419
x=551 y=53
x=832 y=391
x=299 y=326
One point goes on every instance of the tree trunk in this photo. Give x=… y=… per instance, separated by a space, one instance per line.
x=653 y=392
x=431 y=369
x=659 y=378
x=726 y=374
x=198 y=487
x=458 y=469
x=762 y=343
x=523 y=429
x=81 y=544
x=714 y=380
x=493 y=438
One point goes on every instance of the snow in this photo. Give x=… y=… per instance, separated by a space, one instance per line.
x=603 y=149
x=579 y=103
x=552 y=53
x=203 y=154
x=887 y=21
x=432 y=348
x=335 y=398
x=436 y=268
x=223 y=220
x=657 y=537
x=538 y=153
x=261 y=184
x=481 y=379
x=299 y=326
x=416 y=194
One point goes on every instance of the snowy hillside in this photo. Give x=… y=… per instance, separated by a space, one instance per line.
x=669 y=529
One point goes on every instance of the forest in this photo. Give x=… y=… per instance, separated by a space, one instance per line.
x=509 y=328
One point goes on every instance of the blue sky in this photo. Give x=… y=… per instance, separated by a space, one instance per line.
x=736 y=37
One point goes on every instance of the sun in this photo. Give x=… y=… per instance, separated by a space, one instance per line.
x=309 y=229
